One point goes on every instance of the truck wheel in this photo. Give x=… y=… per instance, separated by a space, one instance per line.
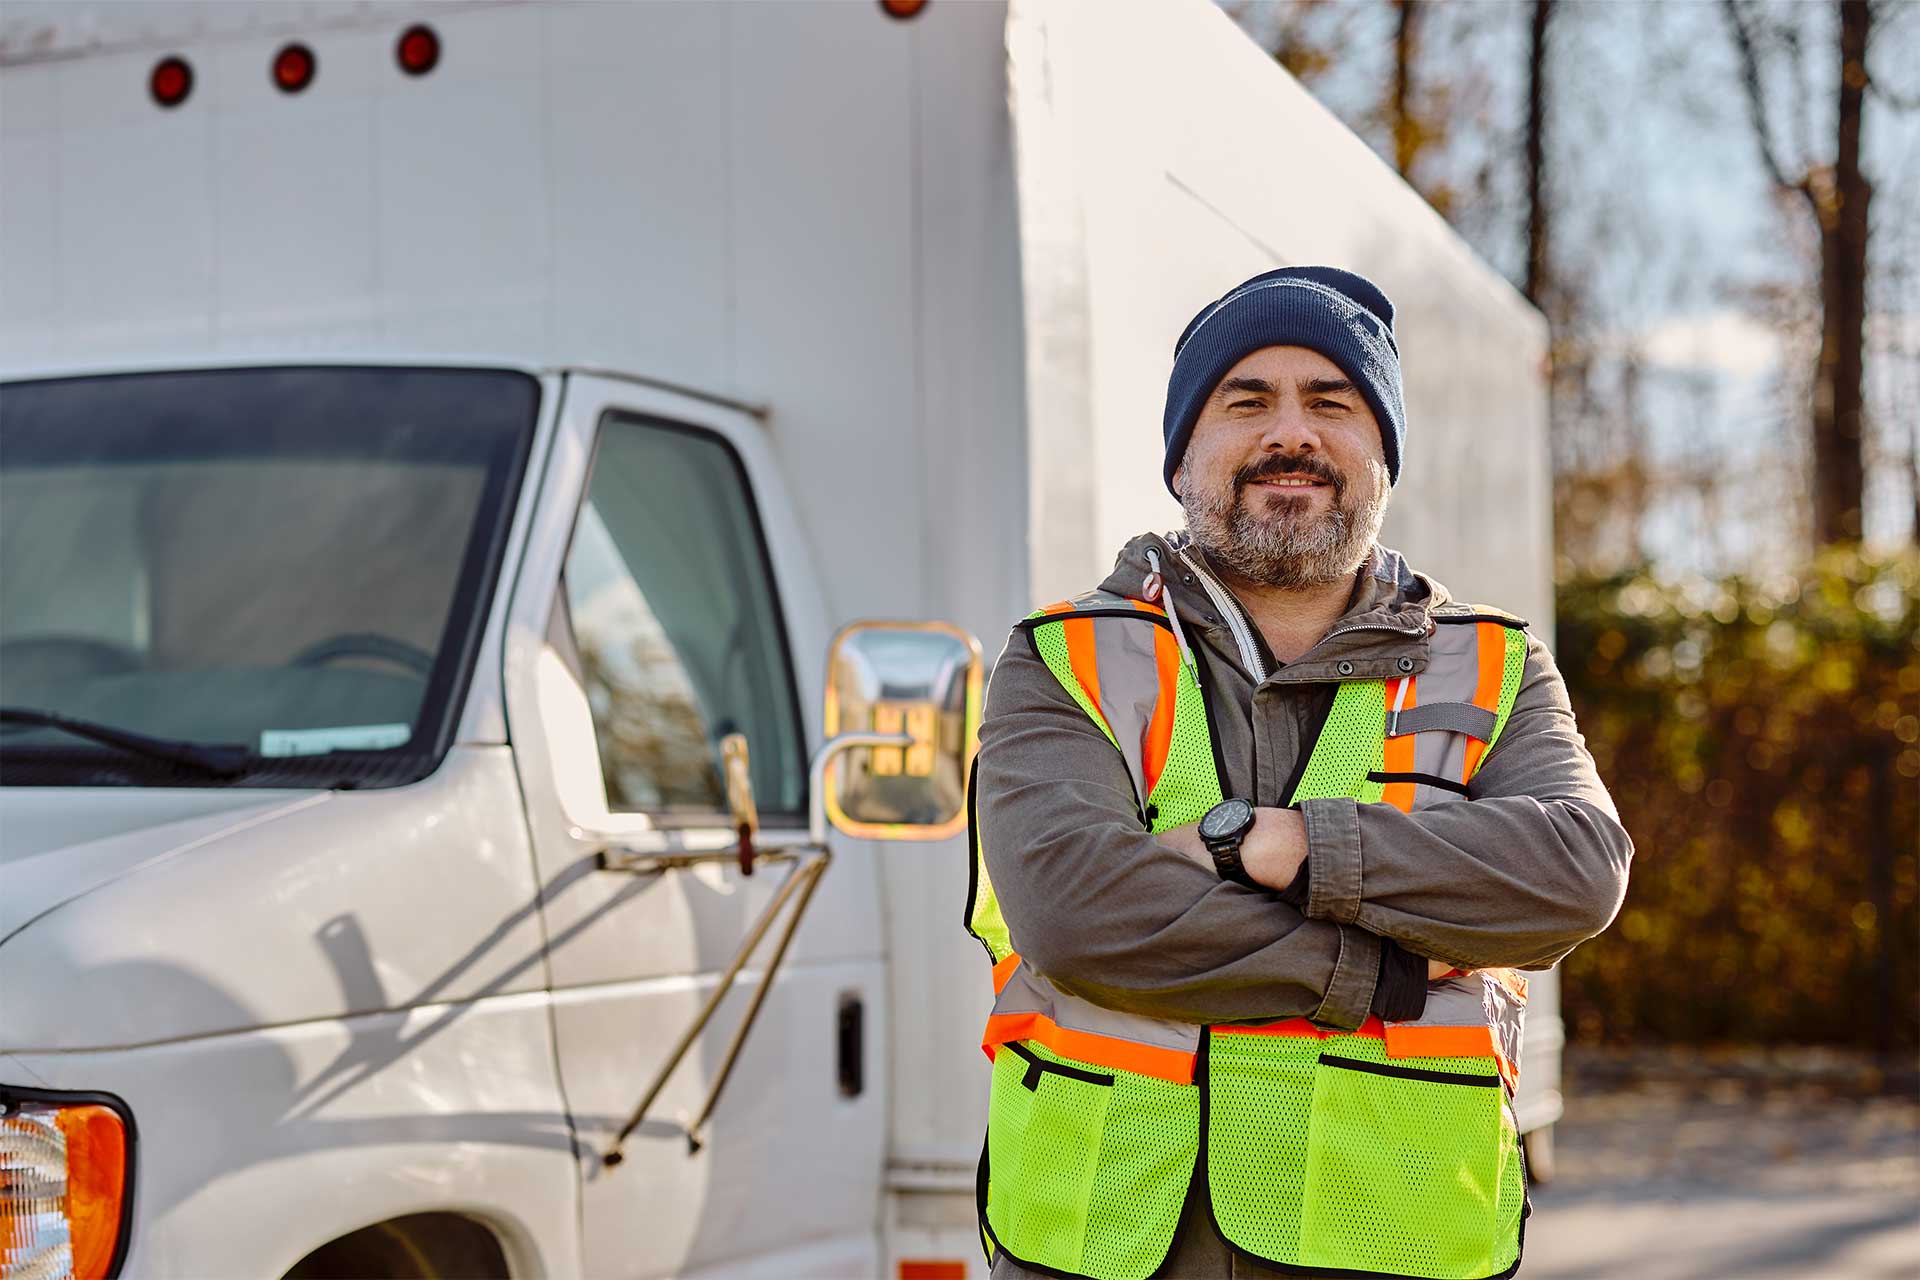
x=1539 y=1143
x=421 y=1246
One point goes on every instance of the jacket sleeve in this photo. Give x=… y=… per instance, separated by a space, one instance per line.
x=1535 y=865
x=1106 y=912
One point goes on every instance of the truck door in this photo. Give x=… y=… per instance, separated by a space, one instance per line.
x=666 y=602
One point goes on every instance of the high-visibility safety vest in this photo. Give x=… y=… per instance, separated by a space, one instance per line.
x=1390 y=1150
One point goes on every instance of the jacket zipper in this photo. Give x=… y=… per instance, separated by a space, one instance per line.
x=1237 y=621
x=1242 y=627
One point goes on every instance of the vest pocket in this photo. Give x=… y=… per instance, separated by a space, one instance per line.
x=1087 y=1166
x=1259 y=1105
x=1322 y=1153
x=1411 y=1169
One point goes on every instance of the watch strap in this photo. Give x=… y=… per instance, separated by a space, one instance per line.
x=1226 y=861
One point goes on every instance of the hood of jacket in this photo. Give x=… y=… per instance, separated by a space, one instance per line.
x=1388 y=615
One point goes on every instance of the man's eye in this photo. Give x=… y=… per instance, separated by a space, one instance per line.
x=1330 y=404
x=1246 y=404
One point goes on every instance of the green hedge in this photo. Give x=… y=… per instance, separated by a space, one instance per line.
x=1762 y=740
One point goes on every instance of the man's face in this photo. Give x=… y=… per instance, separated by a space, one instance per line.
x=1284 y=480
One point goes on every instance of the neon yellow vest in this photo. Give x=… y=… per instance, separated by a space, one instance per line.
x=1390 y=1150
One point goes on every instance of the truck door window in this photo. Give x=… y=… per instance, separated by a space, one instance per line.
x=677 y=624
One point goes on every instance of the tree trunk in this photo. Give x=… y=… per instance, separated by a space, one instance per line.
x=1840 y=199
x=1537 y=263
x=1406 y=133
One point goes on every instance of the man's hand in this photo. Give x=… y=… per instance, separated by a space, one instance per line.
x=1271 y=852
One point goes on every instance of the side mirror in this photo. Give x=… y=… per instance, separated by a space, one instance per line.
x=915 y=685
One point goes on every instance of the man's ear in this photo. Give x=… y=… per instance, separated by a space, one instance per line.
x=1180 y=479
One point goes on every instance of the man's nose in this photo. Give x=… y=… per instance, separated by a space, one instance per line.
x=1289 y=430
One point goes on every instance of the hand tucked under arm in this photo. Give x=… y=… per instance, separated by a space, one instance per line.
x=1274 y=853
x=1532 y=867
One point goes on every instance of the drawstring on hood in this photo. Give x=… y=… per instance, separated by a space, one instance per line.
x=1173 y=612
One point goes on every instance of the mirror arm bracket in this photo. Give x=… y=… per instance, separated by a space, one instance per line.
x=804 y=877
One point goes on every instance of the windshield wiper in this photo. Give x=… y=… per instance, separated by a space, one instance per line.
x=219 y=759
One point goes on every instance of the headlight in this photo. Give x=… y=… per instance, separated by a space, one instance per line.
x=66 y=1165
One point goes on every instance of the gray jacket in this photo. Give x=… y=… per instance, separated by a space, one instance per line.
x=1533 y=866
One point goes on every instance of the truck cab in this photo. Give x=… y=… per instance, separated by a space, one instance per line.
x=412 y=671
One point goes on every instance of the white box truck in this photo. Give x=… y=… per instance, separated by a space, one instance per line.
x=428 y=430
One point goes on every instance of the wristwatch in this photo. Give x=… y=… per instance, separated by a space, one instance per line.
x=1221 y=830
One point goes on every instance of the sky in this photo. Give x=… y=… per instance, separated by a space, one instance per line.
x=1669 y=218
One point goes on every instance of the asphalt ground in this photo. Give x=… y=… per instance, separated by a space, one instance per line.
x=1688 y=1168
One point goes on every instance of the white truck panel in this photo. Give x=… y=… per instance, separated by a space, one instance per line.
x=345 y=873
x=299 y=1134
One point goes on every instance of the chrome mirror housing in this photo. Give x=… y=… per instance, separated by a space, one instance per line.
x=917 y=684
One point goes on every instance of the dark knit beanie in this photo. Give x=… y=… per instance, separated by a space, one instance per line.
x=1343 y=316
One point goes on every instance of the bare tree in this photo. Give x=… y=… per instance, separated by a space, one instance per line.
x=1837 y=193
x=1538 y=259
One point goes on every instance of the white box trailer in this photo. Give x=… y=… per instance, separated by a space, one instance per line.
x=853 y=316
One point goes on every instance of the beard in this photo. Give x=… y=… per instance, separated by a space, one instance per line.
x=1281 y=542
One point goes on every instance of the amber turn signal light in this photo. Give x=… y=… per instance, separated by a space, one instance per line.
x=67 y=1169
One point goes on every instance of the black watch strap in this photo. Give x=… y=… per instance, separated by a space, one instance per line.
x=1226 y=860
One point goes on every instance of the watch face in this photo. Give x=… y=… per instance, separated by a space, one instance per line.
x=1225 y=818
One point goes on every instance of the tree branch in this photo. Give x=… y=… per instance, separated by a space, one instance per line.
x=1756 y=99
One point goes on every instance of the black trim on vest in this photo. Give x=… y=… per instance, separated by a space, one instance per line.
x=1028 y=624
x=1220 y=777
x=1038 y=1066
x=1409 y=1073
x=1424 y=779
x=973 y=857
x=1287 y=798
x=1504 y=619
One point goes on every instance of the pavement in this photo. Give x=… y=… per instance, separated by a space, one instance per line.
x=1697 y=1170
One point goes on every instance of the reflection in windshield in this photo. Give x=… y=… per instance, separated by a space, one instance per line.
x=288 y=559
x=653 y=730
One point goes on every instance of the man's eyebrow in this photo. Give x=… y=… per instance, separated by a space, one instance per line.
x=1259 y=386
x=1322 y=386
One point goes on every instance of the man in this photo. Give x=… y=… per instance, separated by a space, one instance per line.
x=1263 y=827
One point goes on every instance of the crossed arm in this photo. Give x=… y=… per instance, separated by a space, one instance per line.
x=1137 y=922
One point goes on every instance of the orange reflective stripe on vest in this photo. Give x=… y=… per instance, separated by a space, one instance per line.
x=1397 y=754
x=1173 y=1065
x=1158 y=739
x=1486 y=691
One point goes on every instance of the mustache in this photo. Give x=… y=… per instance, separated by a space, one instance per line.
x=1273 y=468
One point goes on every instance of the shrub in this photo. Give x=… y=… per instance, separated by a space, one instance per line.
x=1762 y=740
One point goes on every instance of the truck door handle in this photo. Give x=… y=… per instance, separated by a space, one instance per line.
x=851 y=1037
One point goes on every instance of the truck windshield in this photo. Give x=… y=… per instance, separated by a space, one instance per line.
x=290 y=564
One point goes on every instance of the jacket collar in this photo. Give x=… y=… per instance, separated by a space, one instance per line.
x=1388 y=617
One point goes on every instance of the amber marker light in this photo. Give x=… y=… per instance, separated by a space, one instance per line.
x=171 y=81
x=66 y=1164
x=418 y=51
x=902 y=8
x=293 y=68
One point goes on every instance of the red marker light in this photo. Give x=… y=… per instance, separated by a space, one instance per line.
x=171 y=81
x=293 y=68
x=418 y=50
x=902 y=8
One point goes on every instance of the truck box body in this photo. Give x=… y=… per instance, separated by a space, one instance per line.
x=924 y=278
